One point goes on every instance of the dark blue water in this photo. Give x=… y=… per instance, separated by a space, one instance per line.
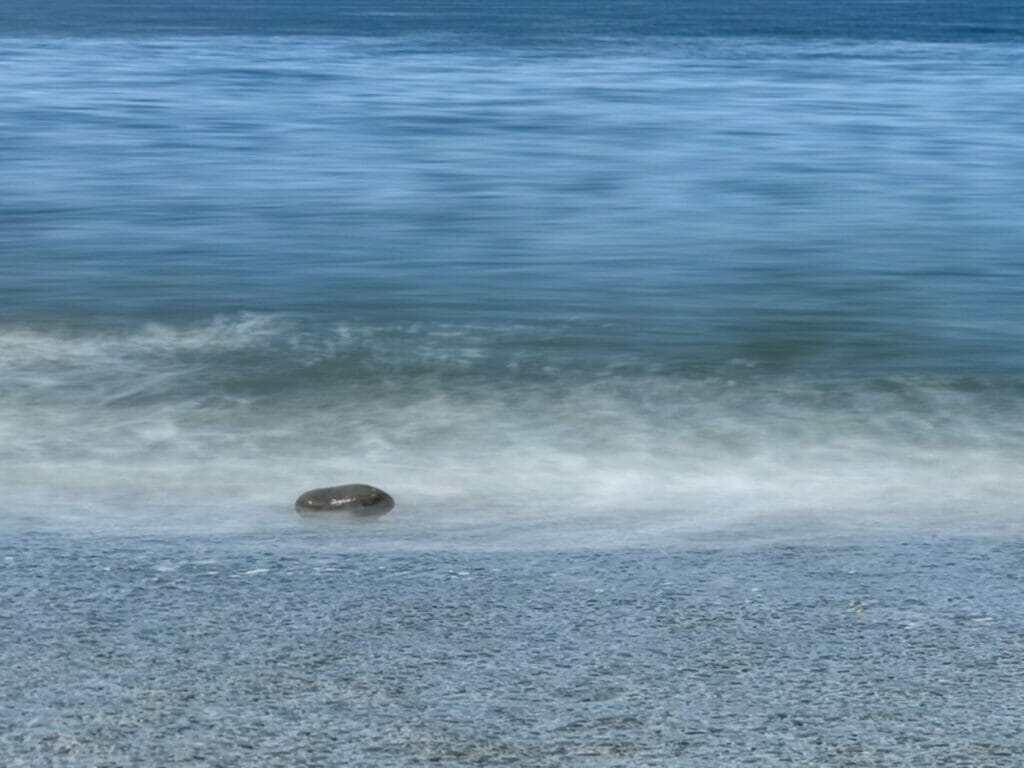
x=529 y=21
x=703 y=262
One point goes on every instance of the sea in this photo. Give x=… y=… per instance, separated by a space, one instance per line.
x=688 y=337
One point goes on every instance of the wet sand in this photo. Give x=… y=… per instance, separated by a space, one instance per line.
x=178 y=651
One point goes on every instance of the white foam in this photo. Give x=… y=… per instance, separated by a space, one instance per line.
x=615 y=460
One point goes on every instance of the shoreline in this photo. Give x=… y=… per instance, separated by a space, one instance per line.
x=158 y=652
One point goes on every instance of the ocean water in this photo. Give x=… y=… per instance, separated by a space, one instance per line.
x=612 y=298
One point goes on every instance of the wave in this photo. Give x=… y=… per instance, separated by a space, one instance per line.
x=510 y=436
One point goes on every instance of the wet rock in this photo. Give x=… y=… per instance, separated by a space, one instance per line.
x=354 y=498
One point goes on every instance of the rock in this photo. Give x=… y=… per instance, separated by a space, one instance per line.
x=355 y=498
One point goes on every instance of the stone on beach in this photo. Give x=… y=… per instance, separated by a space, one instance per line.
x=356 y=498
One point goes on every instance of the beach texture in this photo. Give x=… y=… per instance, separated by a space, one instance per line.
x=123 y=653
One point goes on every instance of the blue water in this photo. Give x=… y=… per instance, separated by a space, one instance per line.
x=697 y=269
x=688 y=337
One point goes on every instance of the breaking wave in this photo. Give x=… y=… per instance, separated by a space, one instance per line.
x=500 y=437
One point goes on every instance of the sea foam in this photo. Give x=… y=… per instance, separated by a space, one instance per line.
x=482 y=438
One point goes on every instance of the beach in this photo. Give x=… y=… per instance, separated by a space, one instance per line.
x=688 y=339
x=185 y=652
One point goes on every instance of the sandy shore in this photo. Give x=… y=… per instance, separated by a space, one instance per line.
x=180 y=652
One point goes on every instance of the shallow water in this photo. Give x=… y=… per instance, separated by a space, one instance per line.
x=487 y=439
